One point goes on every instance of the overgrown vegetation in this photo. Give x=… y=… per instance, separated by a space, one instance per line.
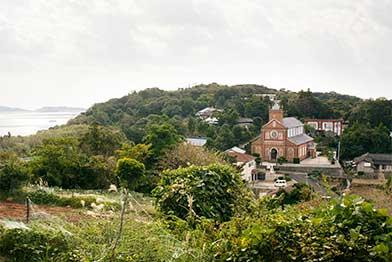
x=214 y=191
x=13 y=173
x=343 y=229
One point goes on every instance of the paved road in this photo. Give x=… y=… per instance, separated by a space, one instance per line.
x=303 y=178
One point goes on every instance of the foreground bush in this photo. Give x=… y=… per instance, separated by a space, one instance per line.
x=93 y=241
x=37 y=244
x=346 y=230
x=213 y=191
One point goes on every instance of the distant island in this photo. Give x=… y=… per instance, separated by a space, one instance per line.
x=47 y=109
x=6 y=109
x=60 y=109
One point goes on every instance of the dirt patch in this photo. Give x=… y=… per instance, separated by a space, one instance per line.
x=371 y=182
x=375 y=195
x=17 y=211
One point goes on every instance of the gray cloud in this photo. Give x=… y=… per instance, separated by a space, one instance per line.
x=96 y=49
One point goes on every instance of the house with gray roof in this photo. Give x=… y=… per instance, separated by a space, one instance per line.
x=371 y=163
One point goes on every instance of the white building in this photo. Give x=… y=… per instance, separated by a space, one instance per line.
x=207 y=112
x=328 y=125
x=246 y=162
x=196 y=141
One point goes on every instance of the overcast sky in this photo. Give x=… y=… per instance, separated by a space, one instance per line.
x=78 y=52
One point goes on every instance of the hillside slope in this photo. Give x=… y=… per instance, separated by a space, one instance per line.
x=132 y=113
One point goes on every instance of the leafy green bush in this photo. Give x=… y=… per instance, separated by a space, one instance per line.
x=300 y=193
x=315 y=174
x=296 y=160
x=360 y=173
x=13 y=174
x=130 y=172
x=281 y=160
x=37 y=244
x=213 y=191
x=258 y=158
x=348 y=230
x=61 y=162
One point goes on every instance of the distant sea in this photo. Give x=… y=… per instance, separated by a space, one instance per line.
x=28 y=123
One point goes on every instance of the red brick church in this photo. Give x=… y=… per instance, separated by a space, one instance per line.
x=282 y=137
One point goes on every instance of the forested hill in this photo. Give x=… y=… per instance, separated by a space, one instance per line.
x=134 y=113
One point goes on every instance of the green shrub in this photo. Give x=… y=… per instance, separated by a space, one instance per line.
x=258 y=158
x=360 y=173
x=60 y=162
x=296 y=160
x=345 y=230
x=13 y=174
x=213 y=191
x=300 y=193
x=37 y=244
x=281 y=160
x=130 y=172
x=315 y=174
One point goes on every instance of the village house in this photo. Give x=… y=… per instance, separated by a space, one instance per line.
x=244 y=122
x=372 y=163
x=207 y=115
x=331 y=125
x=196 y=141
x=207 y=112
x=270 y=96
x=283 y=137
x=246 y=162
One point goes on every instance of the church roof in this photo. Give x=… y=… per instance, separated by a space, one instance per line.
x=290 y=122
x=300 y=139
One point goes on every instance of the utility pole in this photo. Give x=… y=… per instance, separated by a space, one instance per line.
x=27 y=210
x=338 y=157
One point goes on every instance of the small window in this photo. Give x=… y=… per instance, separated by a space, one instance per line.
x=366 y=164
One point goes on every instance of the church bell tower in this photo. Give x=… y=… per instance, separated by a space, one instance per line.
x=276 y=112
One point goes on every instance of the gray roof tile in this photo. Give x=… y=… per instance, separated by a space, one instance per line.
x=378 y=159
x=300 y=139
x=290 y=122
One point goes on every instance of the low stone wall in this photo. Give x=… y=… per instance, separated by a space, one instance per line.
x=329 y=170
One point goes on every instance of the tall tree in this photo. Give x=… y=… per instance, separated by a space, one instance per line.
x=130 y=172
x=100 y=140
x=161 y=138
x=360 y=139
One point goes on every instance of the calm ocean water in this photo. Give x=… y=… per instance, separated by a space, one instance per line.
x=28 y=123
